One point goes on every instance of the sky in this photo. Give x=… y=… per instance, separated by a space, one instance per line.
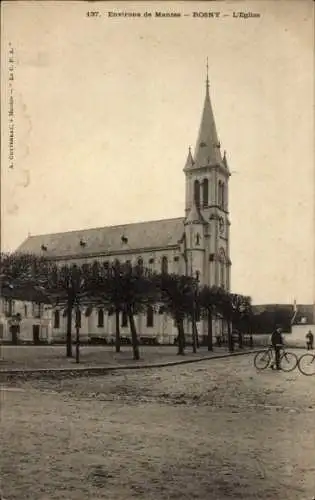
x=105 y=109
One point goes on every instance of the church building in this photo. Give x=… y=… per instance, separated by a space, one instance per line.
x=197 y=243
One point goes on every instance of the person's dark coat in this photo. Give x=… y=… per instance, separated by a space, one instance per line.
x=276 y=338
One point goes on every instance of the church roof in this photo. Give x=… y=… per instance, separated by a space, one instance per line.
x=207 y=149
x=106 y=240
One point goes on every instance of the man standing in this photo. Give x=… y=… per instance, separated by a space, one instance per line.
x=309 y=340
x=277 y=343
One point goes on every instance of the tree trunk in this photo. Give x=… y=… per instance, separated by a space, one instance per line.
x=194 y=335
x=69 y=329
x=77 y=329
x=209 y=338
x=117 y=339
x=240 y=340
x=230 y=337
x=134 y=337
x=77 y=345
x=181 y=336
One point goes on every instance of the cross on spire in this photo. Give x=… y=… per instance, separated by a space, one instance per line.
x=207 y=79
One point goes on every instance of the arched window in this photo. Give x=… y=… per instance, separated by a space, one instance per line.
x=56 y=319
x=222 y=268
x=150 y=316
x=140 y=265
x=222 y=195
x=197 y=193
x=164 y=265
x=222 y=277
x=205 y=192
x=100 y=318
x=219 y=193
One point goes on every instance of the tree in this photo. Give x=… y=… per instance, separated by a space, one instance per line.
x=125 y=288
x=18 y=271
x=21 y=277
x=117 y=305
x=57 y=286
x=64 y=286
x=122 y=287
x=233 y=307
x=177 y=296
x=270 y=317
x=210 y=299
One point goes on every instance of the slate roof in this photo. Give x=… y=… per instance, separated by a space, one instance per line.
x=107 y=240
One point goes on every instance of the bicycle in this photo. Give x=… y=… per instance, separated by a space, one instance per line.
x=263 y=359
x=306 y=364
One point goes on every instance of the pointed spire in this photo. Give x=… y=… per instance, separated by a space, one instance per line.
x=194 y=216
x=190 y=161
x=208 y=145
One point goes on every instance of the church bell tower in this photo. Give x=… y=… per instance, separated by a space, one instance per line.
x=207 y=225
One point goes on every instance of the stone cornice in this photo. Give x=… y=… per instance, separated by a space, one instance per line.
x=219 y=208
x=200 y=168
x=195 y=249
x=127 y=251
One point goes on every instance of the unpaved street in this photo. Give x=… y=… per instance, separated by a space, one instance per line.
x=210 y=430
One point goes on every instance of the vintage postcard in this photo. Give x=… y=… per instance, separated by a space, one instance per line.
x=157 y=212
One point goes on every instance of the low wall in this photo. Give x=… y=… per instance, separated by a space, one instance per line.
x=294 y=339
x=298 y=334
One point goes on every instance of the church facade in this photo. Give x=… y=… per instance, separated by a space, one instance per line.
x=195 y=244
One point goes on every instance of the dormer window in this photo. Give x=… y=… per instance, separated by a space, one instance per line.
x=124 y=239
x=82 y=243
x=44 y=248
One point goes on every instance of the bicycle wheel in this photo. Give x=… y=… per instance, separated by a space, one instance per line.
x=288 y=361
x=262 y=360
x=306 y=364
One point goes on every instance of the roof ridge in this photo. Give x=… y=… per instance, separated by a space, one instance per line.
x=71 y=231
